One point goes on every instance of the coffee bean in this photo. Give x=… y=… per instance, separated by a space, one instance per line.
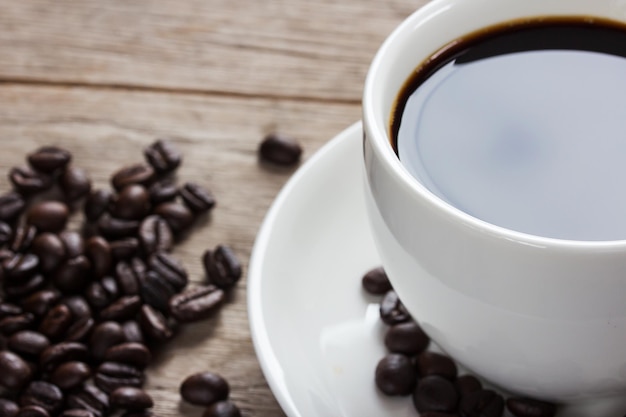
x=130 y=398
x=432 y=363
x=132 y=332
x=11 y=206
x=154 y=325
x=222 y=409
x=70 y=375
x=280 y=149
x=24 y=288
x=129 y=275
x=163 y=156
x=78 y=306
x=27 y=181
x=23 y=237
x=20 y=267
x=8 y=309
x=79 y=330
x=392 y=311
x=196 y=304
x=142 y=413
x=48 y=216
x=204 y=388
x=49 y=158
x=90 y=398
x=125 y=248
x=407 y=338
x=112 y=375
x=178 y=217
x=74 y=243
x=105 y=335
x=75 y=183
x=526 y=407
x=77 y=412
x=130 y=353
x=466 y=384
x=156 y=291
x=162 y=191
x=395 y=375
x=96 y=204
x=131 y=203
x=483 y=403
x=122 y=309
x=50 y=250
x=132 y=174
x=222 y=267
x=56 y=322
x=101 y=294
x=168 y=268
x=6 y=233
x=8 y=408
x=12 y=324
x=376 y=282
x=197 y=198
x=435 y=393
x=113 y=228
x=28 y=343
x=32 y=411
x=43 y=394
x=62 y=352
x=155 y=235
x=73 y=275
x=41 y=302
x=98 y=252
x=15 y=371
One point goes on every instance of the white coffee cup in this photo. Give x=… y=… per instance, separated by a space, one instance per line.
x=535 y=316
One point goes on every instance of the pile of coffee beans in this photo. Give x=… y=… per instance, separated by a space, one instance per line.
x=432 y=379
x=81 y=311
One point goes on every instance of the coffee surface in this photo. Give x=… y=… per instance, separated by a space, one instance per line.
x=524 y=126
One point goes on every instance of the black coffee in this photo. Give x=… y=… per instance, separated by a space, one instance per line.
x=523 y=125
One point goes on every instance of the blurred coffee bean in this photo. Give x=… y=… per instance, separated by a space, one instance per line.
x=11 y=206
x=74 y=243
x=6 y=233
x=155 y=235
x=41 y=302
x=129 y=274
x=432 y=363
x=76 y=412
x=20 y=267
x=98 y=252
x=196 y=303
x=62 y=352
x=103 y=336
x=156 y=291
x=23 y=236
x=79 y=330
x=483 y=403
x=101 y=294
x=132 y=332
x=96 y=204
x=43 y=394
x=466 y=384
x=222 y=267
x=196 y=197
x=122 y=309
x=154 y=325
x=163 y=156
x=75 y=183
x=162 y=191
x=48 y=216
x=132 y=174
x=392 y=311
x=8 y=408
x=28 y=343
x=24 y=288
x=280 y=149
x=70 y=375
x=131 y=203
x=90 y=398
x=50 y=250
x=73 y=275
x=125 y=248
x=222 y=409
x=130 y=398
x=376 y=282
x=204 y=388
x=32 y=411
x=395 y=375
x=78 y=305
x=112 y=375
x=526 y=407
x=15 y=371
x=130 y=353
x=113 y=228
x=49 y=158
x=407 y=338
x=27 y=181
x=12 y=324
x=56 y=322
x=8 y=309
x=435 y=393
x=170 y=269
x=141 y=413
x=178 y=217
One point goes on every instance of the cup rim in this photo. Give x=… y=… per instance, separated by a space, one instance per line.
x=378 y=135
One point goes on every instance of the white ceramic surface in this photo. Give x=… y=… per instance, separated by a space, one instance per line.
x=542 y=317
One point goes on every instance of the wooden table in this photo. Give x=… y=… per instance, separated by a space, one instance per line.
x=105 y=78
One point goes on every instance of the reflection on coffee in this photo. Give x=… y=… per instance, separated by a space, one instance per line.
x=523 y=125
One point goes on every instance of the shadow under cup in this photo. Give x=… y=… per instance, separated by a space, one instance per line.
x=536 y=316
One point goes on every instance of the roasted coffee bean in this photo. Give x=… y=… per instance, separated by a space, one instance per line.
x=90 y=398
x=483 y=403
x=526 y=407
x=154 y=325
x=162 y=191
x=8 y=309
x=222 y=409
x=56 y=322
x=15 y=371
x=78 y=305
x=11 y=206
x=43 y=394
x=204 y=388
x=98 y=252
x=75 y=183
x=74 y=243
x=178 y=217
x=432 y=363
x=32 y=411
x=170 y=269
x=196 y=304
x=163 y=156
x=155 y=235
x=131 y=203
x=23 y=237
x=113 y=228
x=129 y=275
x=41 y=302
x=376 y=282
x=132 y=174
x=142 y=413
x=8 y=408
x=156 y=291
x=50 y=250
x=466 y=384
x=124 y=308
x=197 y=198
x=407 y=338
x=63 y=352
x=112 y=375
x=70 y=375
x=435 y=393
x=77 y=412
x=96 y=204
x=27 y=181
x=222 y=266
x=130 y=398
x=28 y=343
x=103 y=336
x=132 y=332
x=20 y=267
x=73 y=275
x=134 y=354
x=6 y=233
x=79 y=330
x=24 y=288
x=395 y=375
x=280 y=149
x=101 y=294
x=392 y=311
x=48 y=216
x=124 y=249
x=12 y=324
x=49 y=158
